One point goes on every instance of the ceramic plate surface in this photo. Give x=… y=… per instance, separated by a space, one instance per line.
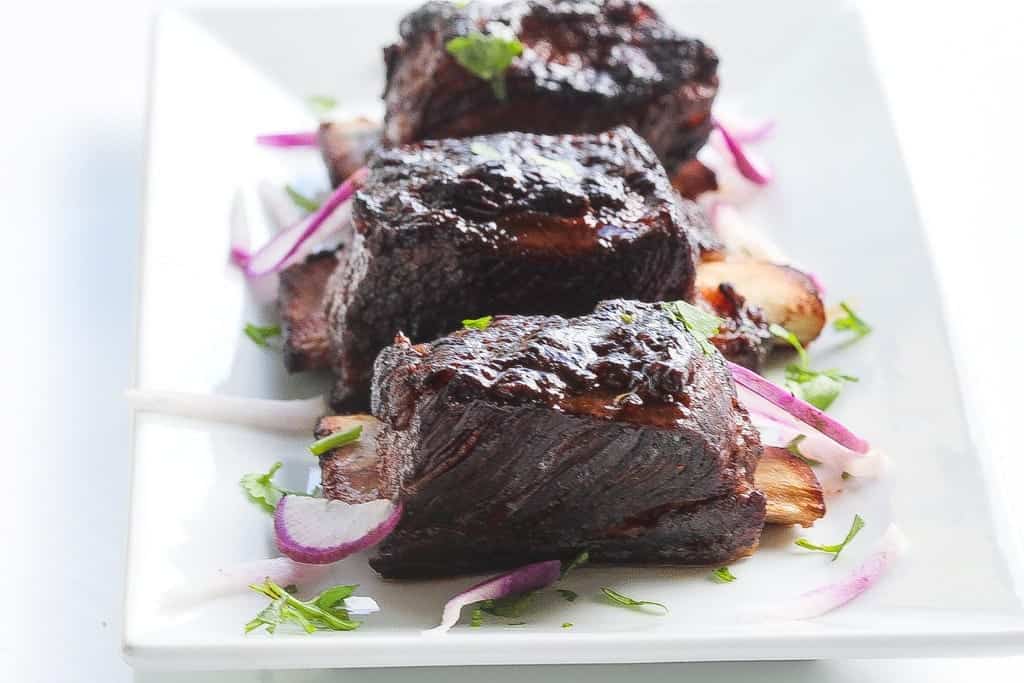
x=842 y=203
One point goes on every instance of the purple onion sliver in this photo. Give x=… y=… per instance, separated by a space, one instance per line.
x=744 y=164
x=824 y=599
x=297 y=139
x=339 y=529
x=518 y=581
x=753 y=134
x=801 y=410
x=240 y=257
x=271 y=256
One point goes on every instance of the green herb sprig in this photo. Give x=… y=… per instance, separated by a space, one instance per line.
x=477 y=323
x=335 y=440
x=618 y=598
x=486 y=56
x=723 y=575
x=851 y=322
x=261 y=489
x=698 y=322
x=323 y=613
x=820 y=388
x=300 y=200
x=261 y=334
x=836 y=548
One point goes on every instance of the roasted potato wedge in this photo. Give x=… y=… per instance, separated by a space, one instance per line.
x=792 y=490
x=787 y=296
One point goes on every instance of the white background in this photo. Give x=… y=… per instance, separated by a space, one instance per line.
x=72 y=92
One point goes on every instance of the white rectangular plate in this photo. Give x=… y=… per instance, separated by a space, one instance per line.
x=842 y=202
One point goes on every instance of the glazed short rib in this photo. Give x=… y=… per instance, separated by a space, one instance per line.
x=539 y=437
x=514 y=223
x=586 y=66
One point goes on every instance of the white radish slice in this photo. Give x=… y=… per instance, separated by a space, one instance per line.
x=236 y=579
x=321 y=531
x=833 y=595
x=275 y=415
x=528 y=578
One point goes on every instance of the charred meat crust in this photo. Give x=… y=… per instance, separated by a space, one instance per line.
x=744 y=337
x=586 y=66
x=514 y=223
x=541 y=436
x=301 y=306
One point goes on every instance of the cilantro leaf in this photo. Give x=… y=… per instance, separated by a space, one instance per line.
x=310 y=615
x=723 y=575
x=477 y=618
x=627 y=318
x=619 y=599
x=261 y=489
x=477 y=323
x=570 y=596
x=330 y=598
x=566 y=624
x=794 y=448
x=300 y=200
x=851 y=322
x=510 y=607
x=260 y=335
x=486 y=57
x=818 y=387
x=837 y=548
x=322 y=105
x=696 y=321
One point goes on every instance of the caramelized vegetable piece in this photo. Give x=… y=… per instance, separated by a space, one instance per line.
x=787 y=296
x=791 y=488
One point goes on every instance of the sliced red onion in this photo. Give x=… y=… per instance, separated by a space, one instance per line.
x=751 y=168
x=528 y=578
x=239 y=227
x=236 y=579
x=831 y=596
x=278 y=252
x=752 y=134
x=306 y=138
x=287 y=416
x=801 y=410
x=282 y=210
x=777 y=428
x=321 y=531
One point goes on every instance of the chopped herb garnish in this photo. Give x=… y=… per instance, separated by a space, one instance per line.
x=510 y=606
x=478 y=323
x=477 y=618
x=560 y=166
x=794 y=448
x=855 y=528
x=482 y=149
x=627 y=318
x=723 y=575
x=566 y=624
x=325 y=612
x=696 y=321
x=570 y=596
x=581 y=559
x=818 y=387
x=262 y=490
x=261 y=335
x=486 y=57
x=322 y=104
x=300 y=200
x=619 y=599
x=335 y=440
x=851 y=322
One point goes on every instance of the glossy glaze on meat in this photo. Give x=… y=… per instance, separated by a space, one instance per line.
x=586 y=66
x=513 y=223
x=540 y=436
x=744 y=337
